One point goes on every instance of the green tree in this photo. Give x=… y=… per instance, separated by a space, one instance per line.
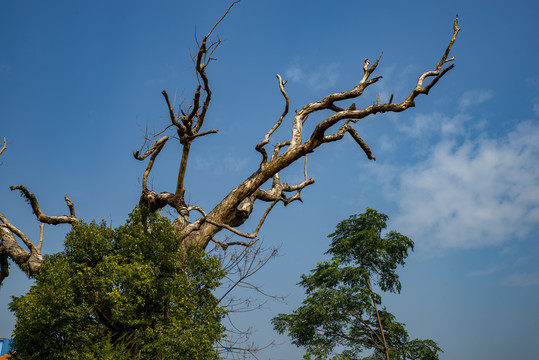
x=342 y=315
x=130 y=292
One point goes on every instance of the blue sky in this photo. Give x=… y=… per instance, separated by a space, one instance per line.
x=458 y=174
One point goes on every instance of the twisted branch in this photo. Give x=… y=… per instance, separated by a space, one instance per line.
x=54 y=220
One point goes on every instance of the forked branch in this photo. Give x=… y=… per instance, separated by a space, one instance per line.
x=53 y=220
x=260 y=146
x=187 y=125
x=29 y=260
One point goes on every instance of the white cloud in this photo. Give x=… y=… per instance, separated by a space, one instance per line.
x=522 y=279
x=386 y=143
x=486 y=271
x=424 y=124
x=421 y=123
x=234 y=164
x=474 y=97
x=481 y=192
x=323 y=77
x=536 y=107
x=295 y=74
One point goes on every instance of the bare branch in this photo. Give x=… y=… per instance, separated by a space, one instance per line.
x=30 y=261
x=206 y=133
x=318 y=133
x=197 y=208
x=241 y=233
x=361 y=143
x=7 y=225
x=4 y=147
x=54 y=220
x=41 y=230
x=187 y=130
x=298 y=189
x=260 y=146
x=438 y=72
x=231 y=229
x=241 y=266
x=71 y=206
x=222 y=17
x=156 y=150
x=444 y=58
x=277 y=148
x=187 y=120
x=171 y=113
x=225 y=246
x=264 y=217
x=158 y=145
x=180 y=188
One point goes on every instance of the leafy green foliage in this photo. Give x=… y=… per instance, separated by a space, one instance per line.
x=340 y=318
x=130 y=292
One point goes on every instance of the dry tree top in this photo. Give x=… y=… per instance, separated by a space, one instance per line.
x=200 y=226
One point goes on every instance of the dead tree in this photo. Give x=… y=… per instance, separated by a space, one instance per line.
x=236 y=207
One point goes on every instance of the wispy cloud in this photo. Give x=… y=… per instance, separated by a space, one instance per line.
x=425 y=124
x=323 y=77
x=473 y=193
x=536 y=107
x=522 y=279
x=386 y=143
x=474 y=97
x=295 y=74
x=234 y=164
x=486 y=271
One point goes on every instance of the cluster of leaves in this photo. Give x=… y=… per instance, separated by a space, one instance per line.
x=340 y=316
x=130 y=292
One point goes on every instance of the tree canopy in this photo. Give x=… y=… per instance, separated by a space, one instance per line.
x=341 y=315
x=122 y=293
